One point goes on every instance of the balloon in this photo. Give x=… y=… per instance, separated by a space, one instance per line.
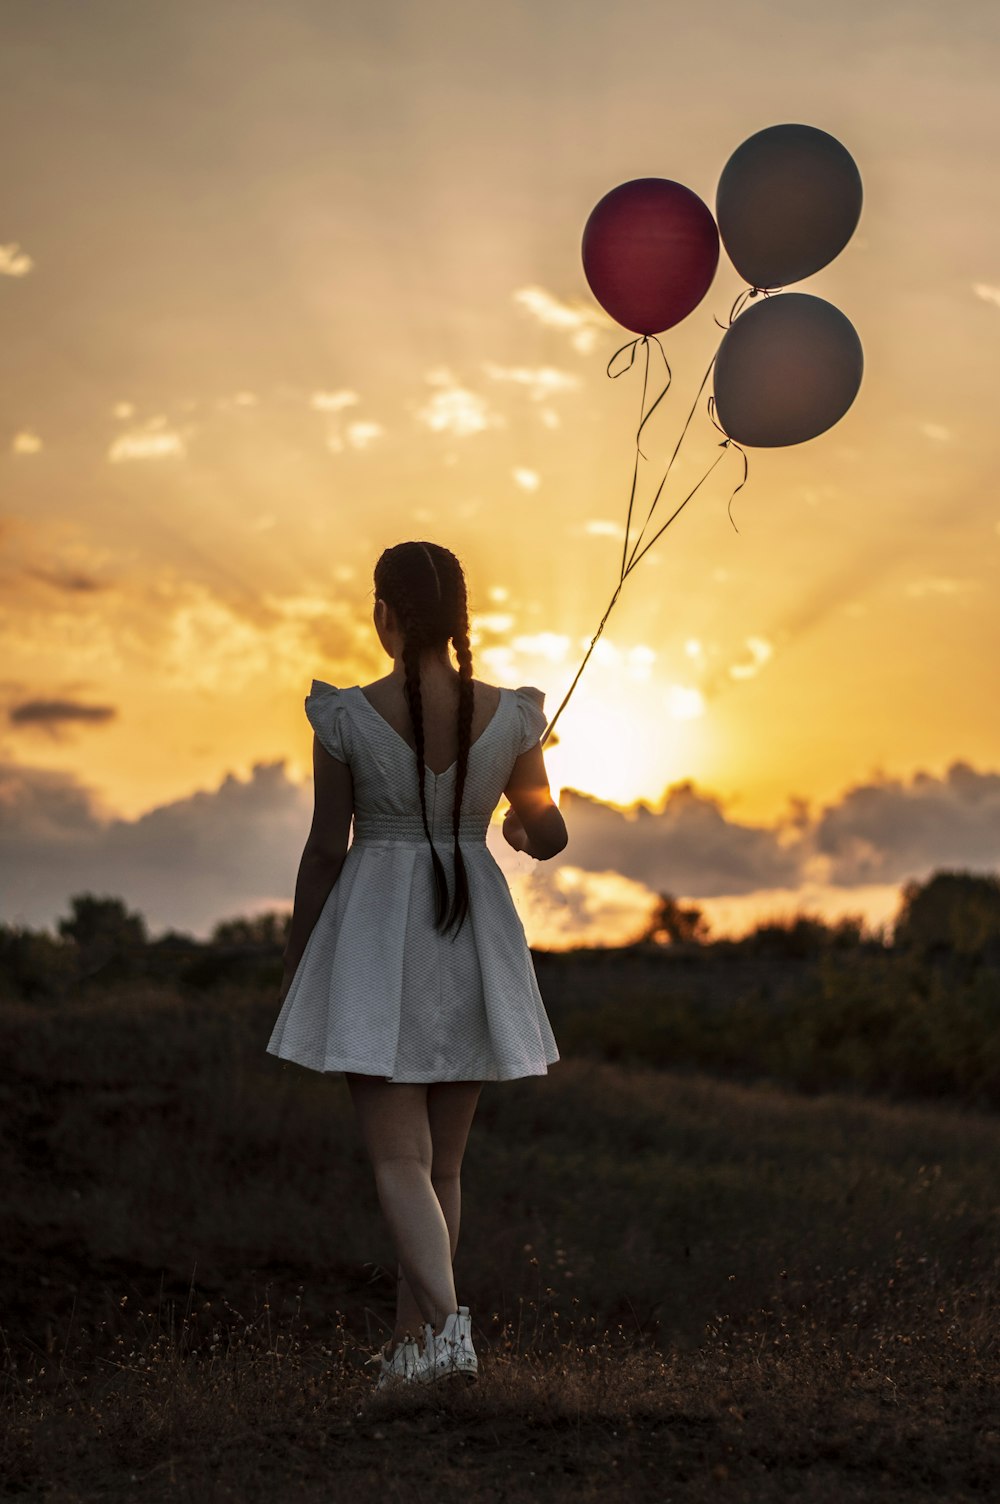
x=650 y=250
x=788 y=201
x=787 y=370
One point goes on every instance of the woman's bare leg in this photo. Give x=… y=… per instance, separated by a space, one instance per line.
x=451 y=1107
x=394 y=1122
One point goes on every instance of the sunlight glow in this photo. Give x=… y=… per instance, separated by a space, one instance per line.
x=685 y=704
x=552 y=646
x=13 y=261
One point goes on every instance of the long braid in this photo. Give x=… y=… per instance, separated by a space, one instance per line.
x=463 y=652
x=409 y=578
x=411 y=663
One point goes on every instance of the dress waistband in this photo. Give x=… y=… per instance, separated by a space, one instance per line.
x=409 y=830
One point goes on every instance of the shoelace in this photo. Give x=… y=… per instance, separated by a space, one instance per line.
x=380 y=1357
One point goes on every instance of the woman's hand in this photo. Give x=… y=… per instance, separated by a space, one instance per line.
x=514 y=832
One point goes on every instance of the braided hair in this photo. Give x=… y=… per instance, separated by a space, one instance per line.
x=424 y=586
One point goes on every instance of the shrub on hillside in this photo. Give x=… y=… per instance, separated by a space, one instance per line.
x=952 y=913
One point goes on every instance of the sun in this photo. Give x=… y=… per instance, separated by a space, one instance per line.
x=628 y=742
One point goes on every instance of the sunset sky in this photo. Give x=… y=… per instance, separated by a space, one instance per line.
x=281 y=286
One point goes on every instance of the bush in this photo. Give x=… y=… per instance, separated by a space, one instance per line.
x=953 y=913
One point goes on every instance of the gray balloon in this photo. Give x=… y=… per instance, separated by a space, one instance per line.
x=788 y=201
x=787 y=369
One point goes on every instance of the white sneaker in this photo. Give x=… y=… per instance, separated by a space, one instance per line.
x=450 y=1352
x=404 y=1367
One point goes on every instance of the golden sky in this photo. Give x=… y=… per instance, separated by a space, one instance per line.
x=282 y=286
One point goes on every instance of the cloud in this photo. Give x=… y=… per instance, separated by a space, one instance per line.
x=71 y=581
x=987 y=292
x=13 y=261
x=760 y=651
x=887 y=831
x=552 y=646
x=689 y=847
x=569 y=906
x=937 y=433
x=235 y=848
x=210 y=643
x=938 y=585
x=453 y=409
x=600 y=527
x=541 y=381
x=153 y=441
x=361 y=434
x=332 y=402
x=25 y=442
x=579 y=320
x=123 y=410
x=184 y=864
x=496 y=623
x=528 y=480
x=55 y=713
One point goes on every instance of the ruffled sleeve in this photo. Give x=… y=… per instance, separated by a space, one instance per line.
x=329 y=717
x=530 y=703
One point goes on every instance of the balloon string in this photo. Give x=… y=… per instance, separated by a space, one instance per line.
x=618 y=591
x=727 y=443
x=644 y=414
x=679 y=508
x=742 y=299
x=659 y=489
x=651 y=410
x=737 y=308
x=583 y=665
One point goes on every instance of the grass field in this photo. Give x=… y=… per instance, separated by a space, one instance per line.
x=682 y=1287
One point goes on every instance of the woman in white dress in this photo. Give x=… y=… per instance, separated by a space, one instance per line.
x=407 y=966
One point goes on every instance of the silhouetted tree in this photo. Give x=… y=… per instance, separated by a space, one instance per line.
x=34 y=963
x=103 y=930
x=671 y=924
x=801 y=935
x=266 y=930
x=954 y=913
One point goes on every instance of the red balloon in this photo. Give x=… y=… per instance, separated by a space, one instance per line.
x=650 y=250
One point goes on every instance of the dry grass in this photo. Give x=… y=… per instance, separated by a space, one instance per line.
x=681 y=1288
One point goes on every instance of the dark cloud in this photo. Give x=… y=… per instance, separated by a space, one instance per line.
x=57 y=712
x=884 y=831
x=888 y=831
x=235 y=848
x=184 y=865
x=690 y=846
x=73 y=582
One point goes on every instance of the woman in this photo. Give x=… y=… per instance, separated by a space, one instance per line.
x=407 y=966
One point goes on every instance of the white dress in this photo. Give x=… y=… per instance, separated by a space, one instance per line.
x=378 y=989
